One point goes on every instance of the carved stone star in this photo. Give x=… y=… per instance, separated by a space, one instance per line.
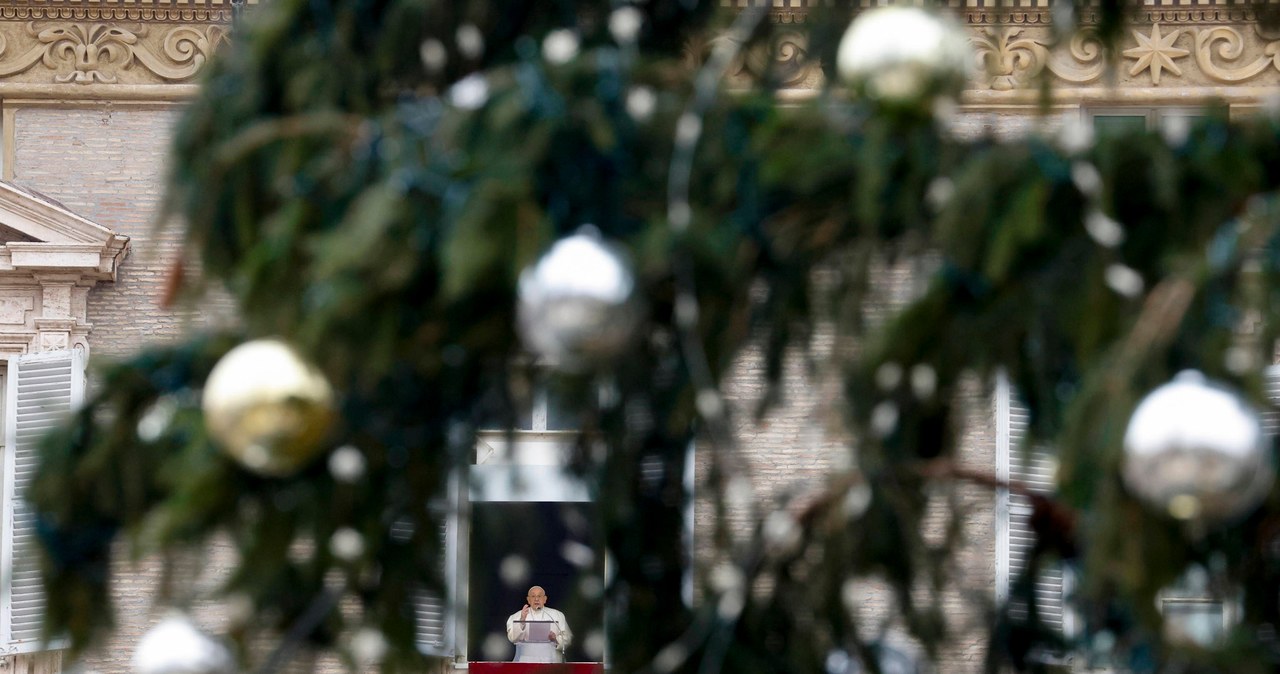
x=1155 y=52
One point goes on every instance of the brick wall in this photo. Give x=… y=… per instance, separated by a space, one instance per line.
x=801 y=445
x=106 y=162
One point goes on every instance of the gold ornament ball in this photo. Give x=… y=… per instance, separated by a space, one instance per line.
x=267 y=407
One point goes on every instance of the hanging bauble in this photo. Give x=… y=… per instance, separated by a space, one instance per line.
x=175 y=646
x=576 y=304
x=905 y=56
x=1197 y=451
x=267 y=407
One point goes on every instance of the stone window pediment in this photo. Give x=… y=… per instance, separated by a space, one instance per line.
x=49 y=259
x=42 y=235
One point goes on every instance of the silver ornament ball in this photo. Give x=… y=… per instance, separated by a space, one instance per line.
x=268 y=408
x=905 y=56
x=176 y=646
x=576 y=305
x=1196 y=450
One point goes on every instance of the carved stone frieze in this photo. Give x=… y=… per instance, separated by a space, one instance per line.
x=1222 y=53
x=111 y=53
x=1167 y=47
x=785 y=60
x=1010 y=59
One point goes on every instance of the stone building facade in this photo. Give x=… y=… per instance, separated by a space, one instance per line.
x=90 y=90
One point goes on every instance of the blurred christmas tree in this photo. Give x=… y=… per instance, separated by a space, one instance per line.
x=380 y=183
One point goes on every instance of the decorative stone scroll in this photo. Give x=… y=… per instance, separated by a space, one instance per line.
x=1228 y=44
x=85 y=53
x=785 y=61
x=1009 y=60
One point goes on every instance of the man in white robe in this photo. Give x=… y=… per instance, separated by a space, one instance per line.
x=523 y=635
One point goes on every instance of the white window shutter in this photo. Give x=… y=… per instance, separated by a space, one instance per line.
x=43 y=389
x=437 y=615
x=1034 y=469
x=1271 y=414
x=430 y=612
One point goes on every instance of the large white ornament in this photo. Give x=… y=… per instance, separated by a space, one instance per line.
x=175 y=646
x=267 y=407
x=906 y=56
x=1197 y=451
x=576 y=303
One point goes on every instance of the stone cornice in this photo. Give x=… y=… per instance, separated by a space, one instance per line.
x=87 y=261
x=1170 y=15
x=173 y=11
x=1038 y=13
x=112 y=13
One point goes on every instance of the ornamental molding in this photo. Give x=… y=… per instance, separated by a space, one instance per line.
x=172 y=11
x=108 y=53
x=1168 y=12
x=1150 y=56
x=1010 y=58
x=1156 y=52
x=1171 y=15
x=114 y=13
x=1198 y=60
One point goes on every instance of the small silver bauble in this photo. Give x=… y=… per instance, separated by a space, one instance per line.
x=1197 y=451
x=267 y=407
x=576 y=305
x=175 y=646
x=904 y=56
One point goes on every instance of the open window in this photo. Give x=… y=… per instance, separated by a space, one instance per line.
x=517 y=516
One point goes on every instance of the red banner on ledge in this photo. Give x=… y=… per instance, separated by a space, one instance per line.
x=535 y=668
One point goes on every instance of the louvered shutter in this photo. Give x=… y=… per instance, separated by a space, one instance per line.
x=1271 y=386
x=1033 y=468
x=429 y=610
x=437 y=615
x=43 y=388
